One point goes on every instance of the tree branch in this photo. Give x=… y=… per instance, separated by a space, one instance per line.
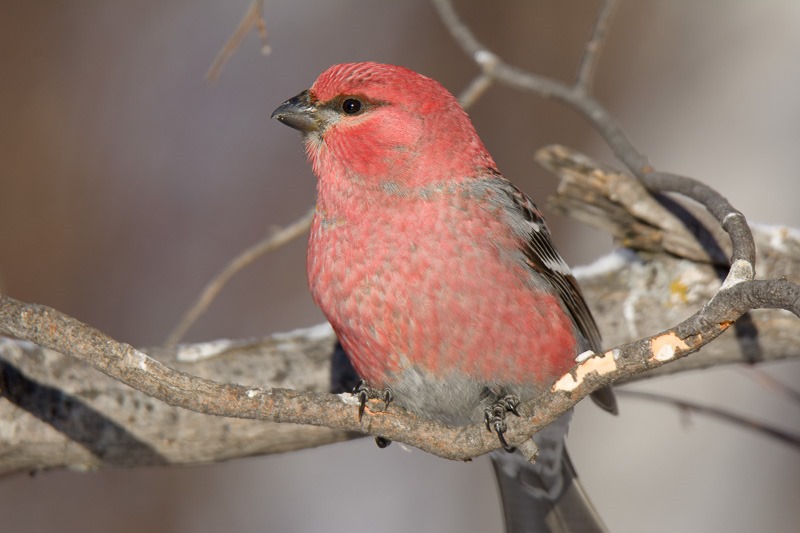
x=591 y=52
x=577 y=97
x=64 y=414
x=253 y=18
x=718 y=413
x=689 y=284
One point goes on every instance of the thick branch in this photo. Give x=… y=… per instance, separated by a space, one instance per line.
x=64 y=414
x=61 y=412
x=738 y=294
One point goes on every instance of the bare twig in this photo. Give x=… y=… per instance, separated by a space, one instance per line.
x=475 y=90
x=253 y=17
x=57 y=412
x=732 y=221
x=716 y=412
x=739 y=284
x=272 y=242
x=591 y=52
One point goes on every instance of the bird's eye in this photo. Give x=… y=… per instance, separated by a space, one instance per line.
x=351 y=106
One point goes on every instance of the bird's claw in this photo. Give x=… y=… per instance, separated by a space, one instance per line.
x=362 y=392
x=495 y=418
x=365 y=393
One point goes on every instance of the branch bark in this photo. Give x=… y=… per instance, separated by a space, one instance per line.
x=57 y=412
x=666 y=286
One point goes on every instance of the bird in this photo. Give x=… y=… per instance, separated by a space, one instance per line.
x=439 y=276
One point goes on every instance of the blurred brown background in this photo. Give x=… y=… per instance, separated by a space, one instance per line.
x=127 y=182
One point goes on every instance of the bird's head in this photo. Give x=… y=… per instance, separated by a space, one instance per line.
x=381 y=123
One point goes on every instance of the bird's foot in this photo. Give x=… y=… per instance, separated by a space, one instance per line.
x=495 y=417
x=366 y=393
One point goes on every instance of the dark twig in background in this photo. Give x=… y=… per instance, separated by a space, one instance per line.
x=718 y=413
x=769 y=382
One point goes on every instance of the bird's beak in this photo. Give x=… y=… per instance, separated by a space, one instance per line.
x=299 y=113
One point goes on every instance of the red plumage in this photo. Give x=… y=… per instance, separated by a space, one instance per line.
x=420 y=251
x=438 y=275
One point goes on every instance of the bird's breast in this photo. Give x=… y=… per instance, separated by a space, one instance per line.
x=430 y=283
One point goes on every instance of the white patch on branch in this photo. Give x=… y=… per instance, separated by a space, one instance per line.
x=741 y=270
x=486 y=60
x=664 y=347
x=313 y=333
x=192 y=353
x=629 y=312
x=598 y=364
x=609 y=263
x=349 y=399
x=143 y=359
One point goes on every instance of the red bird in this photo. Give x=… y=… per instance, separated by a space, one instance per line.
x=438 y=275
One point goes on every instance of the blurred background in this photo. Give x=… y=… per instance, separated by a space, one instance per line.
x=127 y=182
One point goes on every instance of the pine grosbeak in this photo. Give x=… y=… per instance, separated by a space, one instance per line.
x=437 y=274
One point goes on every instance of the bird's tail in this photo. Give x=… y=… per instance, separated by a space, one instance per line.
x=545 y=496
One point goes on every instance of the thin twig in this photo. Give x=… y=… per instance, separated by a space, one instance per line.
x=475 y=90
x=716 y=412
x=731 y=220
x=268 y=244
x=253 y=17
x=591 y=52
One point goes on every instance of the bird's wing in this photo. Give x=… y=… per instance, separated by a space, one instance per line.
x=542 y=257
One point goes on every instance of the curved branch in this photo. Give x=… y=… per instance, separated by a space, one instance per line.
x=716 y=412
x=50 y=328
x=576 y=97
x=78 y=419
